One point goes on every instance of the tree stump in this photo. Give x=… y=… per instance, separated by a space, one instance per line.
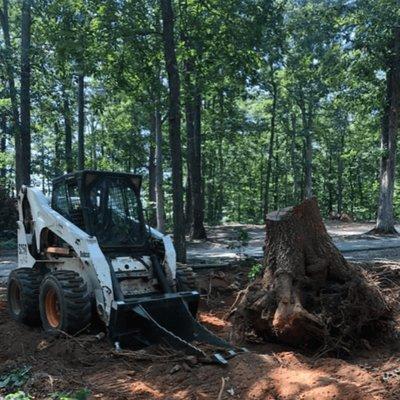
x=308 y=294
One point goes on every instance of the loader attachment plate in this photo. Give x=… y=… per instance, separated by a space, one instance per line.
x=169 y=319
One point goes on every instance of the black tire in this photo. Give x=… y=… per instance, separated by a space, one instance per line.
x=185 y=279
x=64 y=303
x=23 y=296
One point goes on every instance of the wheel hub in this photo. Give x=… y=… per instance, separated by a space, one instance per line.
x=52 y=308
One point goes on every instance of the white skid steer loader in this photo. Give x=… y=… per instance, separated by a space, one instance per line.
x=90 y=256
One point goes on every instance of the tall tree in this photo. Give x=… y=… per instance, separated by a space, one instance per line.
x=193 y=44
x=26 y=93
x=81 y=121
x=390 y=127
x=174 y=118
x=160 y=211
x=4 y=16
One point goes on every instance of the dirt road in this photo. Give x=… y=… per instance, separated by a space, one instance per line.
x=230 y=243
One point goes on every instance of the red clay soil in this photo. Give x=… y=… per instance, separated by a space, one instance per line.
x=267 y=372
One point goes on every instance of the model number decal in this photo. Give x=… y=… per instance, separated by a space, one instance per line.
x=22 y=249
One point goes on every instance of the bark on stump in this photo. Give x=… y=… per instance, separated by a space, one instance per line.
x=308 y=294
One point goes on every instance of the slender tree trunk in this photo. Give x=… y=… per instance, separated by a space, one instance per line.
x=152 y=169
x=295 y=172
x=68 y=131
x=390 y=126
x=329 y=182
x=188 y=205
x=340 y=168
x=94 y=146
x=195 y=209
x=57 y=150
x=271 y=147
x=219 y=171
x=160 y=212
x=276 y=183
x=81 y=122
x=42 y=164
x=308 y=161
x=219 y=190
x=198 y=231
x=308 y=153
x=3 y=146
x=189 y=117
x=174 y=128
x=26 y=93
x=13 y=92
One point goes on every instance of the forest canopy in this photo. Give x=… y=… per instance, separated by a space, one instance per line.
x=278 y=99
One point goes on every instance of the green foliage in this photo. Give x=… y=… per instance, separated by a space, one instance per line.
x=327 y=62
x=81 y=394
x=18 y=396
x=255 y=271
x=243 y=236
x=8 y=216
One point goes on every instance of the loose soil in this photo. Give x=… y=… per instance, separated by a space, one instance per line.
x=268 y=371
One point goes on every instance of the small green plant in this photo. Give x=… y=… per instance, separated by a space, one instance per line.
x=255 y=271
x=15 y=378
x=18 y=396
x=81 y=394
x=243 y=236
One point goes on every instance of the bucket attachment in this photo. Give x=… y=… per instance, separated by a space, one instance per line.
x=170 y=320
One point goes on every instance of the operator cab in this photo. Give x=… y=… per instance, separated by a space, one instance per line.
x=106 y=205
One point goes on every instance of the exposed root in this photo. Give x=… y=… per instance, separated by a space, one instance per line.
x=309 y=295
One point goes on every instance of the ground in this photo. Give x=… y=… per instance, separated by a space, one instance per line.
x=268 y=371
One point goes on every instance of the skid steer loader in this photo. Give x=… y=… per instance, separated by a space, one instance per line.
x=89 y=255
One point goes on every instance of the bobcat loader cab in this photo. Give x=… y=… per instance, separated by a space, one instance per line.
x=89 y=255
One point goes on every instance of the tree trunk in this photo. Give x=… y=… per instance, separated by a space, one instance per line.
x=152 y=170
x=68 y=131
x=308 y=165
x=340 y=168
x=160 y=212
x=308 y=151
x=308 y=295
x=390 y=126
x=57 y=150
x=174 y=129
x=26 y=93
x=329 y=184
x=3 y=146
x=188 y=206
x=219 y=166
x=270 y=148
x=81 y=122
x=295 y=172
x=195 y=215
x=197 y=231
x=13 y=92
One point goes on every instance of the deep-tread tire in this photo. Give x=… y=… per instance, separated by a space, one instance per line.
x=23 y=296
x=185 y=279
x=73 y=302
